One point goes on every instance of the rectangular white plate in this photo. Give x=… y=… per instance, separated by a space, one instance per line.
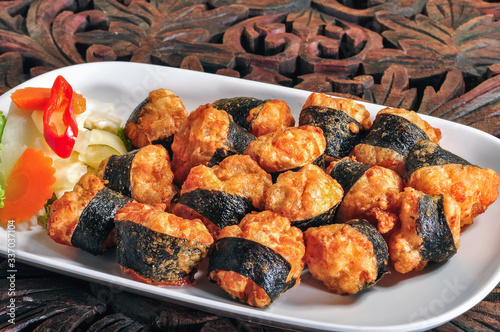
x=416 y=301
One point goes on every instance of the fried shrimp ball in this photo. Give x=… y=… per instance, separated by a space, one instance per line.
x=83 y=217
x=429 y=231
x=258 y=116
x=392 y=135
x=371 y=192
x=346 y=258
x=156 y=120
x=206 y=138
x=258 y=259
x=223 y=194
x=355 y=110
x=157 y=247
x=434 y=170
x=287 y=148
x=308 y=197
x=143 y=174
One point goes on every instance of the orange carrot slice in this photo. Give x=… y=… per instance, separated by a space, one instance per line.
x=36 y=99
x=28 y=186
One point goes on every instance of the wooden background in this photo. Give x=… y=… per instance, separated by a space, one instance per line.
x=438 y=57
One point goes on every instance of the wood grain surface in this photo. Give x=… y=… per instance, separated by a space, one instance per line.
x=437 y=57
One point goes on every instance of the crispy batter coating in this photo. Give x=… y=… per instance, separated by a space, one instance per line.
x=199 y=137
x=151 y=178
x=236 y=175
x=287 y=148
x=304 y=194
x=66 y=211
x=379 y=156
x=386 y=157
x=160 y=118
x=374 y=197
x=341 y=257
x=273 y=231
x=269 y=117
x=354 y=110
x=472 y=187
x=155 y=218
x=404 y=244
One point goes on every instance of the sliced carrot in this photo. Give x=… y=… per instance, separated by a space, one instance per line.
x=28 y=186
x=36 y=99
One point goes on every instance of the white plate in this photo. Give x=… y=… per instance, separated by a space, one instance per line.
x=417 y=301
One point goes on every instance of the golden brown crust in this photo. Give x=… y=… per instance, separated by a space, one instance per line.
x=236 y=175
x=199 y=137
x=160 y=118
x=404 y=243
x=340 y=257
x=287 y=148
x=378 y=156
x=269 y=117
x=273 y=231
x=66 y=211
x=304 y=194
x=375 y=197
x=151 y=178
x=159 y=221
x=472 y=187
x=242 y=288
x=353 y=109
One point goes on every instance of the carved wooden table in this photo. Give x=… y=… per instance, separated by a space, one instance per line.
x=437 y=57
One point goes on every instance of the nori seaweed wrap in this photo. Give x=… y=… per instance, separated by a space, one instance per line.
x=308 y=197
x=347 y=258
x=156 y=119
x=258 y=259
x=392 y=135
x=206 y=138
x=258 y=116
x=341 y=131
x=157 y=247
x=223 y=194
x=84 y=217
x=434 y=171
x=429 y=231
x=370 y=192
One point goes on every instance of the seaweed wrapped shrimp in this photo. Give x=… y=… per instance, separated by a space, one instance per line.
x=345 y=123
x=223 y=194
x=156 y=120
x=370 y=192
x=84 y=217
x=143 y=174
x=434 y=170
x=308 y=197
x=259 y=259
x=258 y=116
x=288 y=149
x=157 y=247
x=346 y=258
x=429 y=231
x=206 y=138
x=392 y=135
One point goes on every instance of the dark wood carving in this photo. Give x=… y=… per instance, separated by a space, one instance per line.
x=437 y=57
